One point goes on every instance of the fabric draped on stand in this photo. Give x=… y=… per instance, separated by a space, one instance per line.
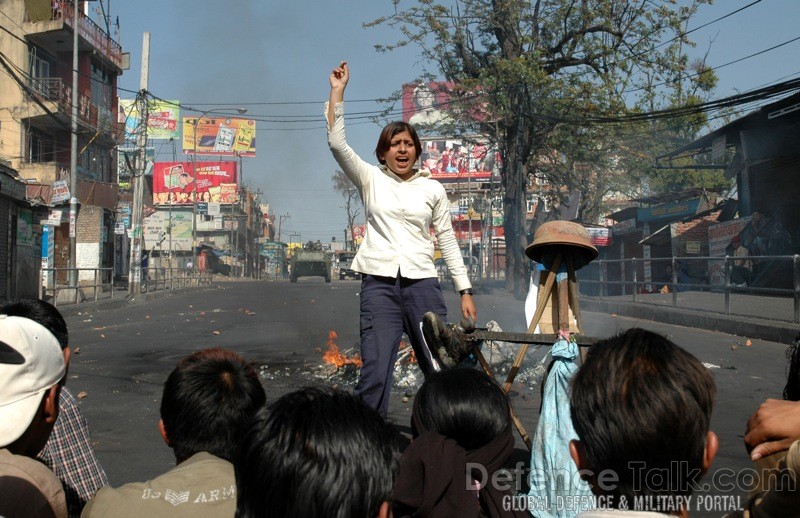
x=554 y=477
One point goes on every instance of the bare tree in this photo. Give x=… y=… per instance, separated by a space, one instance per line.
x=352 y=201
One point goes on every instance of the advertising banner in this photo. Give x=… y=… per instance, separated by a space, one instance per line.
x=183 y=183
x=59 y=191
x=158 y=227
x=429 y=105
x=453 y=160
x=162 y=119
x=600 y=236
x=53 y=218
x=222 y=136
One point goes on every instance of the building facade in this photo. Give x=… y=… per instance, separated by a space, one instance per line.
x=36 y=112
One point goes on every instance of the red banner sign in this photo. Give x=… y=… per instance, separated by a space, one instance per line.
x=183 y=183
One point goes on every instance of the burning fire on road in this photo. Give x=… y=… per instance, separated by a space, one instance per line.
x=341 y=366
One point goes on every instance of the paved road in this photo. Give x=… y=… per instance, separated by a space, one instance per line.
x=125 y=354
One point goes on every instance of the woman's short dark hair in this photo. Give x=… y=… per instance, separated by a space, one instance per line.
x=463 y=404
x=388 y=133
x=315 y=452
x=208 y=400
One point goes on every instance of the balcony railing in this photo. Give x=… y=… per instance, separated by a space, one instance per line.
x=89 y=30
x=57 y=90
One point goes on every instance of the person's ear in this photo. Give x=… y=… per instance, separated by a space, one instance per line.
x=51 y=404
x=67 y=352
x=578 y=454
x=710 y=451
x=163 y=431
x=385 y=510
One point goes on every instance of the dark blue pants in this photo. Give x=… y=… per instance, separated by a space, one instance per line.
x=390 y=307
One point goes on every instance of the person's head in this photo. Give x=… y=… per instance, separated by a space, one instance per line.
x=736 y=241
x=33 y=367
x=791 y=392
x=463 y=404
x=641 y=408
x=42 y=312
x=398 y=147
x=208 y=398
x=316 y=452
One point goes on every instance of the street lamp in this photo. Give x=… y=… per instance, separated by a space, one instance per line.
x=221 y=111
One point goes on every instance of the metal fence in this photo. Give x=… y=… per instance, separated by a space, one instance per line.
x=768 y=288
x=74 y=285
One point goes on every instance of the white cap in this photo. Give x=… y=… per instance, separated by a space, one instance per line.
x=31 y=361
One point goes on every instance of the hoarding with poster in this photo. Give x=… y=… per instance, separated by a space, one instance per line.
x=430 y=105
x=182 y=183
x=448 y=159
x=221 y=136
x=162 y=119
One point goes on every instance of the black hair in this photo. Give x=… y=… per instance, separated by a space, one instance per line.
x=316 y=452
x=463 y=404
x=388 y=132
x=208 y=399
x=791 y=392
x=642 y=405
x=42 y=313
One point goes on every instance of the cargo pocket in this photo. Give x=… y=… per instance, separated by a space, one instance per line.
x=368 y=343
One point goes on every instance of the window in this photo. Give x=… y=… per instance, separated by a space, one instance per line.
x=101 y=87
x=39 y=64
x=41 y=147
x=41 y=69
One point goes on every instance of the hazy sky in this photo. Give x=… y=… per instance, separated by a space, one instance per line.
x=273 y=57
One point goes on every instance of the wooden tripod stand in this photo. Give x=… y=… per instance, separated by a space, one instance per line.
x=557 y=310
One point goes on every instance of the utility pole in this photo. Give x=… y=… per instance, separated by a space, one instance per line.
x=73 y=160
x=135 y=275
x=281 y=219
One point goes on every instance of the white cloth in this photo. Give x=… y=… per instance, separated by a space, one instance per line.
x=532 y=299
x=399 y=217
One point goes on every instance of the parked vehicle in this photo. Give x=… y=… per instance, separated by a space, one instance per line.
x=344 y=262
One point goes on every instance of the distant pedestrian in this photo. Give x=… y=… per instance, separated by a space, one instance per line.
x=145 y=265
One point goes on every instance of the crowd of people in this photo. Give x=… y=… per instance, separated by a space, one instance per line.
x=639 y=403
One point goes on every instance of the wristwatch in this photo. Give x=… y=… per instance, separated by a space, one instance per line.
x=467 y=291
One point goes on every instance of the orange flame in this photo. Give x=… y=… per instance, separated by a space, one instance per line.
x=332 y=355
x=412 y=358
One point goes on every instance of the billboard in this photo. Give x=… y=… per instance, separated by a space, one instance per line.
x=430 y=105
x=158 y=226
x=162 y=119
x=221 y=136
x=183 y=183
x=448 y=159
